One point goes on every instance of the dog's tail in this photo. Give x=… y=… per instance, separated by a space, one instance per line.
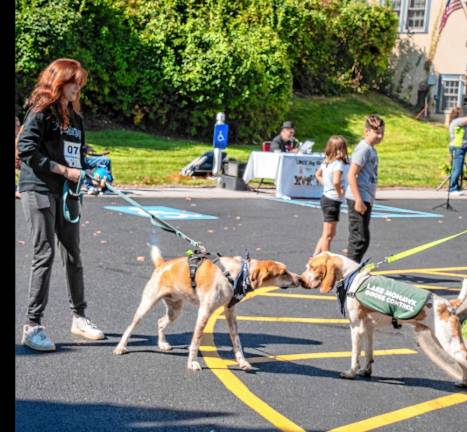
x=156 y=256
x=431 y=347
x=461 y=309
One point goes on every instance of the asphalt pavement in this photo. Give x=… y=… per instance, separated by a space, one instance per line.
x=296 y=339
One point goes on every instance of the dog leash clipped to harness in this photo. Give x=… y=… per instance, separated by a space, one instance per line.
x=154 y=219
x=242 y=284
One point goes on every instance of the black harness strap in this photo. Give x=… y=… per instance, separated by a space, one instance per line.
x=195 y=259
x=241 y=285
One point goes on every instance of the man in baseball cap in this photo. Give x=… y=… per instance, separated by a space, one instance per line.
x=285 y=140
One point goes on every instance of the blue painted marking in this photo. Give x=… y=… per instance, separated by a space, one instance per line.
x=379 y=211
x=163 y=213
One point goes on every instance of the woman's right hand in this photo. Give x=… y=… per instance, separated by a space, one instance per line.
x=73 y=174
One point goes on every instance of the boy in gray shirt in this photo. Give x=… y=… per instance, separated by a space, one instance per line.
x=360 y=193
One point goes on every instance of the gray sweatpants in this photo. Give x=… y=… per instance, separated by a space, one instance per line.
x=44 y=215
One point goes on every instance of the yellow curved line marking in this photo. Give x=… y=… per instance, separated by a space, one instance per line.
x=236 y=386
x=219 y=367
x=403 y=414
x=290 y=319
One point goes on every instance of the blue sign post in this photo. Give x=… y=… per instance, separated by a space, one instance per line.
x=221 y=136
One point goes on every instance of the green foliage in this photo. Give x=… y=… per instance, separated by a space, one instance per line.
x=172 y=64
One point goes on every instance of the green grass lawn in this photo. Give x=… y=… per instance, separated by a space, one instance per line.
x=412 y=153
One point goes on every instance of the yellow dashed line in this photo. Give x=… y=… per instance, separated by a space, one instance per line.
x=403 y=414
x=291 y=319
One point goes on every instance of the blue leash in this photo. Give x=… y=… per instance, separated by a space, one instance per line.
x=76 y=194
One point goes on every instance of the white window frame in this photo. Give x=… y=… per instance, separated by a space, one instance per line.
x=460 y=92
x=403 y=16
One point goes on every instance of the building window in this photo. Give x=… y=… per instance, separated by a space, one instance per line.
x=413 y=15
x=451 y=92
x=416 y=12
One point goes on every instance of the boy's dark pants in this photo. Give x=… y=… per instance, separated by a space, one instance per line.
x=359 y=231
x=44 y=215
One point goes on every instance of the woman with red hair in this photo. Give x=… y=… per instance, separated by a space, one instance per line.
x=51 y=150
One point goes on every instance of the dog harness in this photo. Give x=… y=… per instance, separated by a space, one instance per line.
x=241 y=284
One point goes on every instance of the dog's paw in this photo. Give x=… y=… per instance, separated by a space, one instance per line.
x=120 y=351
x=364 y=372
x=347 y=374
x=244 y=365
x=194 y=366
x=165 y=346
x=461 y=384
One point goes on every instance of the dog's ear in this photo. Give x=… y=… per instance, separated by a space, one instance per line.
x=330 y=277
x=257 y=275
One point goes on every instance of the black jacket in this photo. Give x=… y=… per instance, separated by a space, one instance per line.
x=278 y=143
x=41 y=142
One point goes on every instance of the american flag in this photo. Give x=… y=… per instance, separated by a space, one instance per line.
x=451 y=6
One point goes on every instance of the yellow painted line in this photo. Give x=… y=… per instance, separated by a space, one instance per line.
x=436 y=287
x=419 y=270
x=290 y=319
x=403 y=414
x=314 y=356
x=300 y=296
x=439 y=273
x=236 y=386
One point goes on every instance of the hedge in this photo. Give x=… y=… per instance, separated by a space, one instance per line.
x=171 y=65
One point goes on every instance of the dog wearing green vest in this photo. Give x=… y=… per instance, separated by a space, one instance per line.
x=375 y=301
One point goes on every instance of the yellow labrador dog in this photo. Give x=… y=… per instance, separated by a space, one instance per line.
x=438 y=333
x=171 y=283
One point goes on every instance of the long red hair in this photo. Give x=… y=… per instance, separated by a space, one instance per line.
x=49 y=87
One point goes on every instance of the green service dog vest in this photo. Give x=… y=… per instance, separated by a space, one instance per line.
x=390 y=297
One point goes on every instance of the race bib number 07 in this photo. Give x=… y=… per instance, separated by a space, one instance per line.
x=71 y=152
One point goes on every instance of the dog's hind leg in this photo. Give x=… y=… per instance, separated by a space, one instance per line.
x=366 y=371
x=237 y=346
x=173 y=309
x=203 y=316
x=148 y=301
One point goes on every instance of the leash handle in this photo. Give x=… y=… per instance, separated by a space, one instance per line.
x=77 y=193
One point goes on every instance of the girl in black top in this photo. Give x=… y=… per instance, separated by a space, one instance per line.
x=50 y=148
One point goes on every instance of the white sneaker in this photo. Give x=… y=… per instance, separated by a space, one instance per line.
x=457 y=193
x=83 y=327
x=34 y=337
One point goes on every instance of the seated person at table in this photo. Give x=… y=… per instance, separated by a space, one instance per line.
x=285 y=140
x=101 y=168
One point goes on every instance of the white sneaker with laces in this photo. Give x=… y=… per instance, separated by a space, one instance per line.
x=35 y=337
x=83 y=327
x=457 y=193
